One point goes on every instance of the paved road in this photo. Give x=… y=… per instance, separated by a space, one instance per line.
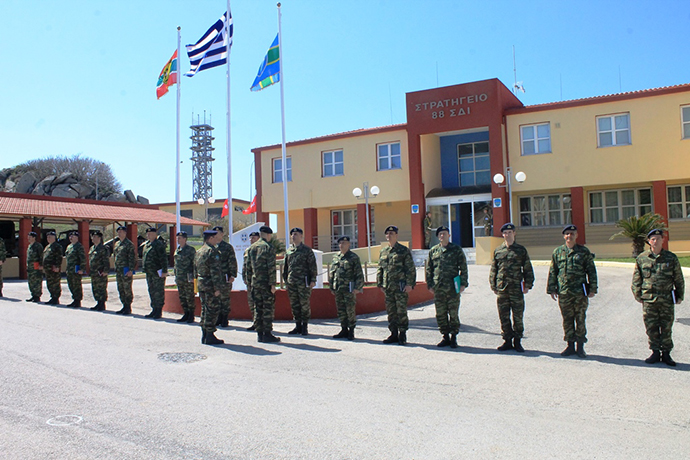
x=318 y=398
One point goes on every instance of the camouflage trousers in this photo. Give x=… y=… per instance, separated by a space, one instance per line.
x=346 y=303
x=210 y=307
x=250 y=302
x=658 y=320
x=396 y=307
x=53 y=283
x=447 y=308
x=300 y=301
x=427 y=241
x=99 y=287
x=35 y=278
x=511 y=302
x=74 y=285
x=185 y=291
x=156 y=285
x=0 y=277
x=225 y=299
x=124 y=289
x=265 y=306
x=574 y=312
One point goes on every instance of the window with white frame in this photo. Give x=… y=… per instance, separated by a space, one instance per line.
x=536 y=139
x=610 y=206
x=333 y=163
x=545 y=210
x=685 y=120
x=278 y=169
x=388 y=156
x=678 y=202
x=474 y=164
x=613 y=130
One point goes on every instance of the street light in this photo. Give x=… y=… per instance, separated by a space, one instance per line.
x=373 y=191
x=498 y=180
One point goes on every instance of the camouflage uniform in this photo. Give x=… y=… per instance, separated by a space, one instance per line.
x=570 y=270
x=261 y=270
x=488 y=223
x=3 y=258
x=344 y=277
x=248 y=282
x=427 y=232
x=655 y=277
x=443 y=265
x=299 y=272
x=228 y=262
x=210 y=279
x=99 y=262
x=125 y=258
x=154 y=259
x=184 y=277
x=34 y=256
x=76 y=260
x=396 y=270
x=511 y=270
x=52 y=258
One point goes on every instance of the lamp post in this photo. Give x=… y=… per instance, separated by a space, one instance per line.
x=373 y=191
x=206 y=202
x=498 y=180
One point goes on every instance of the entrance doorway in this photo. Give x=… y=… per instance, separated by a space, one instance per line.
x=463 y=215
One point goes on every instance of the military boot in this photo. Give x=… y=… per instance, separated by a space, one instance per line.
x=252 y=327
x=100 y=306
x=570 y=349
x=53 y=301
x=0 y=292
x=270 y=338
x=507 y=345
x=260 y=337
x=157 y=313
x=184 y=318
x=34 y=299
x=654 y=358
x=152 y=314
x=126 y=310
x=342 y=334
x=351 y=333
x=191 y=318
x=393 y=338
x=444 y=342
x=76 y=304
x=581 y=350
x=402 y=337
x=517 y=345
x=666 y=358
x=223 y=320
x=209 y=338
x=454 y=340
x=297 y=329
x=305 y=328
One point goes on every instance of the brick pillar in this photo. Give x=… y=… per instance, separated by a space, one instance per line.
x=414 y=149
x=362 y=225
x=133 y=236
x=24 y=229
x=173 y=245
x=84 y=239
x=577 y=201
x=660 y=201
x=311 y=227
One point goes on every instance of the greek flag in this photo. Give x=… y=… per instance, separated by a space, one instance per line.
x=212 y=48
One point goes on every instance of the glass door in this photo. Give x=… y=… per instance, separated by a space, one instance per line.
x=343 y=223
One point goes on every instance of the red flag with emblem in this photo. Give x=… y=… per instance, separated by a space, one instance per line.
x=251 y=208
x=226 y=209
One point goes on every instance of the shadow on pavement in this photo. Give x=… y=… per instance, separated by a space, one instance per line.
x=10 y=299
x=247 y=349
x=307 y=347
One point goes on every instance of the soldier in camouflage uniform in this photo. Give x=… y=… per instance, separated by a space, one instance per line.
x=427 y=230
x=396 y=277
x=572 y=281
x=658 y=285
x=511 y=277
x=299 y=274
x=99 y=266
x=210 y=280
x=228 y=261
x=184 y=277
x=34 y=257
x=3 y=257
x=488 y=221
x=253 y=238
x=52 y=266
x=446 y=278
x=261 y=270
x=76 y=263
x=125 y=263
x=155 y=264
x=346 y=279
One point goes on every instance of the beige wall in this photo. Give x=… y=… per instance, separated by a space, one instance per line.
x=199 y=212
x=431 y=161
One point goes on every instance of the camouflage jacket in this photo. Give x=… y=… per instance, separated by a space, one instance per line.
x=300 y=265
x=228 y=260
x=261 y=269
x=124 y=256
x=395 y=268
x=245 y=262
x=99 y=260
x=34 y=253
x=510 y=267
x=154 y=257
x=75 y=255
x=184 y=262
x=655 y=276
x=570 y=269
x=3 y=250
x=208 y=269
x=52 y=256
x=345 y=272
x=444 y=264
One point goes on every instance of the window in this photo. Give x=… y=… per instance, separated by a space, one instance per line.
x=333 y=163
x=536 y=139
x=545 y=210
x=613 y=130
x=679 y=202
x=473 y=164
x=614 y=205
x=278 y=169
x=685 y=119
x=343 y=223
x=388 y=156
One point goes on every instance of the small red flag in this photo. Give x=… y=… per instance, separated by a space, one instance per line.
x=168 y=76
x=252 y=207
x=226 y=209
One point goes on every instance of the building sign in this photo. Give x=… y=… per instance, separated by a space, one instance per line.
x=415 y=209
x=451 y=107
x=497 y=202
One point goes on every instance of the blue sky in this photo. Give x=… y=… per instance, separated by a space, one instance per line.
x=80 y=76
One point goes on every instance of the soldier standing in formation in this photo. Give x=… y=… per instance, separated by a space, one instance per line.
x=346 y=279
x=253 y=238
x=184 y=277
x=658 y=285
x=262 y=272
x=299 y=274
x=488 y=221
x=99 y=266
x=446 y=278
x=210 y=281
x=427 y=230
x=125 y=263
x=3 y=257
x=155 y=265
x=76 y=262
x=511 y=277
x=228 y=262
x=34 y=256
x=396 y=277
x=572 y=281
x=52 y=266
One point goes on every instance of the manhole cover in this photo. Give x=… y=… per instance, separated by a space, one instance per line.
x=64 y=420
x=181 y=357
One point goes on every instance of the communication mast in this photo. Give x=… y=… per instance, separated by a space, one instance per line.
x=202 y=158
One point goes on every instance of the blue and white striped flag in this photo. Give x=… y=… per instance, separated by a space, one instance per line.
x=212 y=48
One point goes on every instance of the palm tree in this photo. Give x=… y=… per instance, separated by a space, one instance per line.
x=637 y=228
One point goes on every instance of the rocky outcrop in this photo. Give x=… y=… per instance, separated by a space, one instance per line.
x=26 y=183
x=142 y=199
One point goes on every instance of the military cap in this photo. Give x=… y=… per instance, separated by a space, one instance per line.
x=391 y=228
x=34 y=234
x=52 y=233
x=656 y=231
x=122 y=227
x=296 y=230
x=98 y=233
x=569 y=228
x=73 y=232
x=218 y=229
x=151 y=229
x=210 y=232
x=255 y=234
x=442 y=228
x=343 y=238
x=266 y=229
x=183 y=234
x=507 y=226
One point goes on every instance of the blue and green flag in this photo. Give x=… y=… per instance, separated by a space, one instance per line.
x=269 y=72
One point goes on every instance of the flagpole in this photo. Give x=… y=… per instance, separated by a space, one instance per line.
x=177 y=163
x=282 y=119
x=230 y=206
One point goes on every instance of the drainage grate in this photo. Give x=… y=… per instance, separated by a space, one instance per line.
x=181 y=357
x=64 y=420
